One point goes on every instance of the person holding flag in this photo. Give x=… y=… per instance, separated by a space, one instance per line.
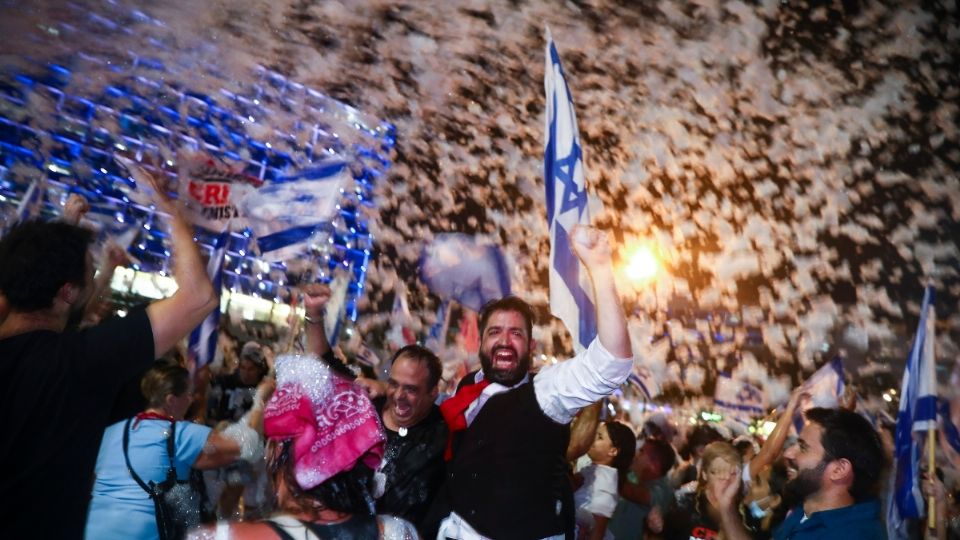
x=510 y=429
x=918 y=413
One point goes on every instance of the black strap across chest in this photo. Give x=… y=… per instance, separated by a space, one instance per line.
x=170 y=451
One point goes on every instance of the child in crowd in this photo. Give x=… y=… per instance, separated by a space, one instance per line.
x=596 y=499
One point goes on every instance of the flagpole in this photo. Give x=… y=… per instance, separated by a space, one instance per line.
x=932 y=429
x=931 y=470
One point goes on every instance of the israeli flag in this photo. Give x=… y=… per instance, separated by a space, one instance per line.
x=457 y=267
x=203 y=339
x=570 y=291
x=738 y=399
x=336 y=307
x=918 y=412
x=825 y=388
x=287 y=213
x=642 y=378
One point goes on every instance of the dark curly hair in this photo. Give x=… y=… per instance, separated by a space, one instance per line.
x=507 y=303
x=39 y=258
x=847 y=435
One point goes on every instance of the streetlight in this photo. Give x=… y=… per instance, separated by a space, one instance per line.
x=642 y=265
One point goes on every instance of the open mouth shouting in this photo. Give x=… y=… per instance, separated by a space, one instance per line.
x=505 y=359
x=402 y=409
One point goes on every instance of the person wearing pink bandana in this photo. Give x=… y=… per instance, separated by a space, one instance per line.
x=325 y=441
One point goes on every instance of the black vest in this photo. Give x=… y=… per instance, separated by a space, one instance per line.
x=508 y=477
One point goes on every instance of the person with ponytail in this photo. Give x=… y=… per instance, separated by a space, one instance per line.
x=596 y=499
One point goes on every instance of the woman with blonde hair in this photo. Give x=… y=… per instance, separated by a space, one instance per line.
x=713 y=510
x=135 y=457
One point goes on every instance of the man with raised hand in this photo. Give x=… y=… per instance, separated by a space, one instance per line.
x=835 y=467
x=58 y=384
x=507 y=472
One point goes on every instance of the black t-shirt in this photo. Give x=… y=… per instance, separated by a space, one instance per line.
x=687 y=520
x=414 y=467
x=56 y=393
x=230 y=398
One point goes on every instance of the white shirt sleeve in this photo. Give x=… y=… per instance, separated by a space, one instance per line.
x=603 y=493
x=565 y=388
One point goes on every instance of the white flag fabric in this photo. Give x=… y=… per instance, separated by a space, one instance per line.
x=825 y=388
x=571 y=296
x=287 y=213
x=738 y=399
x=918 y=412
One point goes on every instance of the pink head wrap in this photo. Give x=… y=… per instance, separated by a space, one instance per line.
x=330 y=419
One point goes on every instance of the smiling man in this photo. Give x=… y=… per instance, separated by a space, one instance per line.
x=834 y=469
x=507 y=473
x=416 y=435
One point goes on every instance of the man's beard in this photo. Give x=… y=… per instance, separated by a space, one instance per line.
x=504 y=377
x=806 y=483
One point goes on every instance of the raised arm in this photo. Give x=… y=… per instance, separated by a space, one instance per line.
x=565 y=388
x=583 y=430
x=315 y=298
x=173 y=318
x=240 y=440
x=774 y=444
x=593 y=248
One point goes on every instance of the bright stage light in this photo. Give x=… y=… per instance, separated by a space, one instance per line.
x=642 y=265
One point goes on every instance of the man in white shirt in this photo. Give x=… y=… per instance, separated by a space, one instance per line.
x=506 y=457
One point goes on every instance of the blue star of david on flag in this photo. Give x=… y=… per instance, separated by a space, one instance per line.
x=566 y=197
x=917 y=416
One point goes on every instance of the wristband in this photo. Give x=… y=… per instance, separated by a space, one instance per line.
x=311 y=320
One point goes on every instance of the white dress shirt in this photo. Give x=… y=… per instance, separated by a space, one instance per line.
x=561 y=391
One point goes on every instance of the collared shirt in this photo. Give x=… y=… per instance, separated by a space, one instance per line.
x=561 y=390
x=854 y=522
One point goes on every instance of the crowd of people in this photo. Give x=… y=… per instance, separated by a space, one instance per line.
x=272 y=441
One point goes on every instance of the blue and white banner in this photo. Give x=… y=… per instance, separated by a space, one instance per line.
x=918 y=413
x=825 y=388
x=457 y=267
x=739 y=399
x=644 y=380
x=571 y=295
x=203 y=339
x=286 y=213
x=336 y=307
